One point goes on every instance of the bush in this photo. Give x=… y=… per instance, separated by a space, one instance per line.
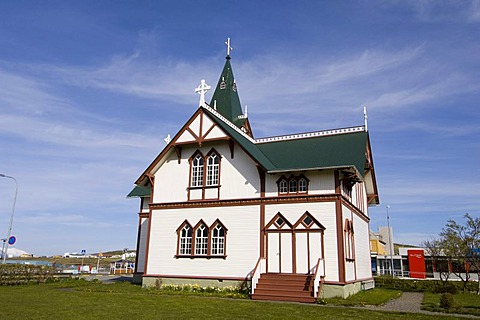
x=388 y=282
x=449 y=288
x=447 y=301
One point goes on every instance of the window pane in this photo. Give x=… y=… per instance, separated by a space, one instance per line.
x=201 y=240
x=302 y=185
x=218 y=240
x=293 y=186
x=282 y=186
x=212 y=170
x=197 y=171
x=186 y=240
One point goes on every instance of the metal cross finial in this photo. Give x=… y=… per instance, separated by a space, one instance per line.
x=229 y=48
x=201 y=90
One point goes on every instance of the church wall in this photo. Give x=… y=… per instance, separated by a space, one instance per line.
x=362 y=248
x=324 y=212
x=238 y=176
x=349 y=265
x=171 y=179
x=242 y=242
x=320 y=182
x=142 y=242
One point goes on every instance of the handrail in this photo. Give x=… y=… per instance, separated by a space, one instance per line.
x=260 y=268
x=318 y=275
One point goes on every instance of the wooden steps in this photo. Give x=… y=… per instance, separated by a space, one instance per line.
x=285 y=287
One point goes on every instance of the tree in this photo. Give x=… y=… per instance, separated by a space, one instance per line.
x=461 y=243
x=434 y=248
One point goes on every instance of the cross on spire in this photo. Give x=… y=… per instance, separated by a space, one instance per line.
x=201 y=90
x=229 y=48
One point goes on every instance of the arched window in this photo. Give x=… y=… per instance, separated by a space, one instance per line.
x=282 y=186
x=197 y=171
x=292 y=185
x=349 y=240
x=218 y=240
x=213 y=164
x=201 y=240
x=185 y=240
x=302 y=185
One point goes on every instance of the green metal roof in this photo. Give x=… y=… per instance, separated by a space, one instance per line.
x=339 y=150
x=140 y=191
x=225 y=98
x=330 y=151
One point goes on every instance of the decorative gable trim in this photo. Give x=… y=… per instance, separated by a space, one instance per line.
x=279 y=223
x=311 y=134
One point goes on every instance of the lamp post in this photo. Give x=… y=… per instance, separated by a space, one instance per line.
x=9 y=231
x=390 y=244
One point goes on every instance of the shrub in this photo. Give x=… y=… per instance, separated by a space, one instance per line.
x=449 y=288
x=430 y=285
x=447 y=301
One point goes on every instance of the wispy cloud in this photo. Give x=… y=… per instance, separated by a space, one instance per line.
x=447 y=10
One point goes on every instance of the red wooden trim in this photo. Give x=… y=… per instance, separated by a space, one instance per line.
x=138 y=241
x=244 y=201
x=340 y=242
x=147 y=245
x=209 y=130
x=194 y=277
x=261 y=174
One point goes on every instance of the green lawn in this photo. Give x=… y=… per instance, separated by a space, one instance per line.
x=92 y=300
x=467 y=303
x=374 y=297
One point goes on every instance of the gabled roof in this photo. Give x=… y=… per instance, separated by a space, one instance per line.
x=346 y=148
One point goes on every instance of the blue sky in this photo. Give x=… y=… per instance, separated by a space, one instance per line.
x=89 y=90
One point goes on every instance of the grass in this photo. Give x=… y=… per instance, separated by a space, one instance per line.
x=466 y=303
x=93 y=300
x=374 y=297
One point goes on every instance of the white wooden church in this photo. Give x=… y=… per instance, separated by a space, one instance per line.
x=285 y=215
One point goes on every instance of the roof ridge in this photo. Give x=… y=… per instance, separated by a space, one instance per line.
x=312 y=134
x=228 y=122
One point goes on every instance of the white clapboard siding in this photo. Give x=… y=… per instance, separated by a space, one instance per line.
x=238 y=176
x=362 y=248
x=242 y=243
x=142 y=242
x=324 y=212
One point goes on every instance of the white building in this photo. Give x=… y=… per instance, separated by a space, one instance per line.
x=219 y=207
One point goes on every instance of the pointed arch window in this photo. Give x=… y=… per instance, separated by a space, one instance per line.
x=282 y=186
x=302 y=185
x=218 y=233
x=213 y=169
x=292 y=185
x=201 y=239
x=204 y=176
x=184 y=239
x=349 y=240
x=197 y=170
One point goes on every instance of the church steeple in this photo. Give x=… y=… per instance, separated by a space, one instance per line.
x=225 y=98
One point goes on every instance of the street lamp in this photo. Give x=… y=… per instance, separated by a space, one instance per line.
x=390 y=244
x=9 y=232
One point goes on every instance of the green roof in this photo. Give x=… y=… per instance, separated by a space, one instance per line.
x=225 y=98
x=140 y=191
x=329 y=151
x=339 y=150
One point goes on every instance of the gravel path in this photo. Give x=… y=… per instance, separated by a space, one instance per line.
x=407 y=302
x=412 y=302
